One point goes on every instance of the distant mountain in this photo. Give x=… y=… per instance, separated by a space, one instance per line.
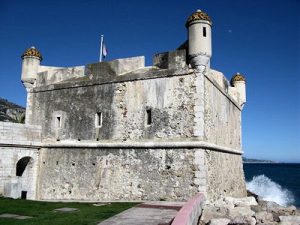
x=247 y=160
x=11 y=112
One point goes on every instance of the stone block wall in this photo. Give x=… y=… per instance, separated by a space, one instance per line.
x=225 y=175
x=118 y=174
x=123 y=107
x=104 y=174
x=222 y=117
x=16 y=142
x=19 y=134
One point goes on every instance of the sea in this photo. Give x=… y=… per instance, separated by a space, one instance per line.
x=277 y=182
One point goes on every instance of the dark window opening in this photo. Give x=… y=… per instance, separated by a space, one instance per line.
x=21 y=166
x=204 y=31
x=99 y=119
x=149 y=116
x=23 y=194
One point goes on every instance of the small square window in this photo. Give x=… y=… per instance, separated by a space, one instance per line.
x=98 y=120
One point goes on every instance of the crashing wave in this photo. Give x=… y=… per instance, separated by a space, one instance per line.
x=268 y=190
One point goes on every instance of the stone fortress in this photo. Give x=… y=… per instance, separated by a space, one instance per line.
x=120 y=130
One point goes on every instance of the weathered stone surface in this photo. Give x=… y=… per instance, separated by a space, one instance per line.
x=264 y=217
x=105 y=174
x=263 y=213
x=293 y=220
x=220 y=168
x=212 y=212
x=240 y=212
x=247 y=201
x=243 y=220
x=220 y=221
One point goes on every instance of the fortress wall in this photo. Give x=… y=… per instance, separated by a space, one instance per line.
x=123 y=108
x=222 y=117
x=222 y=127
x=12 y=185
x=225 y=175
x=121 y=174
x=52 y=75
x=19 y=134
x=105 y=174
x=16 y=142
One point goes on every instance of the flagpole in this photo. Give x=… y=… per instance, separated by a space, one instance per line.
x=101 y=48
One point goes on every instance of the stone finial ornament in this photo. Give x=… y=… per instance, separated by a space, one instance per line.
x=237 y=77
x=198 y=15
x=32 y=52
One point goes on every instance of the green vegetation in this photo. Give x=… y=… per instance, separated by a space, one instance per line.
x=44 y=214
x=18 y=117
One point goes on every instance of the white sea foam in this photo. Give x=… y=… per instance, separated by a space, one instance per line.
x=268 y=190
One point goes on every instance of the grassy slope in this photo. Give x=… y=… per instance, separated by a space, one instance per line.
x=44 y=215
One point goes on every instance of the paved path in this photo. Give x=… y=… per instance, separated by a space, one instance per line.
x=148 y=213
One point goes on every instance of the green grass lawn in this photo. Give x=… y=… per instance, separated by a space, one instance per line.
x=44 y=215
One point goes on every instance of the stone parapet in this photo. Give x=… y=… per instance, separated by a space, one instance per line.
x=19 y=134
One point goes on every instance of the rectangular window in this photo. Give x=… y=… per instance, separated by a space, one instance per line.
x=58 y=121
x=204 y=31
x=148 y=116
x=98 y=120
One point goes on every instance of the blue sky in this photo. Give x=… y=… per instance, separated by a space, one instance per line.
x=259 y=38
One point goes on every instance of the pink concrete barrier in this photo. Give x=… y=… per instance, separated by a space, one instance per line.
x=190 y=212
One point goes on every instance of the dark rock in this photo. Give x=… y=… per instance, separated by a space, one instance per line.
x=251 y=194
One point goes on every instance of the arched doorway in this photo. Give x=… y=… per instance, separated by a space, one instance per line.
x=22 y=164
x=25 y=175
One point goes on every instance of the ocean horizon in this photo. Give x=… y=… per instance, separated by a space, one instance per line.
x=277 y=182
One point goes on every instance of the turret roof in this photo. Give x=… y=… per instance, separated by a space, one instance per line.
x=237 y=77
x=32 y=52
x=198 y=15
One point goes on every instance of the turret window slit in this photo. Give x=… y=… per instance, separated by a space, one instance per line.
x=149 y=116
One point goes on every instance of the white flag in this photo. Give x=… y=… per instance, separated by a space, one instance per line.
x=104 y=50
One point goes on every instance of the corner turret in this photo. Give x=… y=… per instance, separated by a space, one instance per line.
x=199 y=40
x=239 y=82
x=30 y=64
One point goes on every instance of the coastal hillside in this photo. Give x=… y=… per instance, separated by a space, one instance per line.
x=10 y=112
x=247 y=160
